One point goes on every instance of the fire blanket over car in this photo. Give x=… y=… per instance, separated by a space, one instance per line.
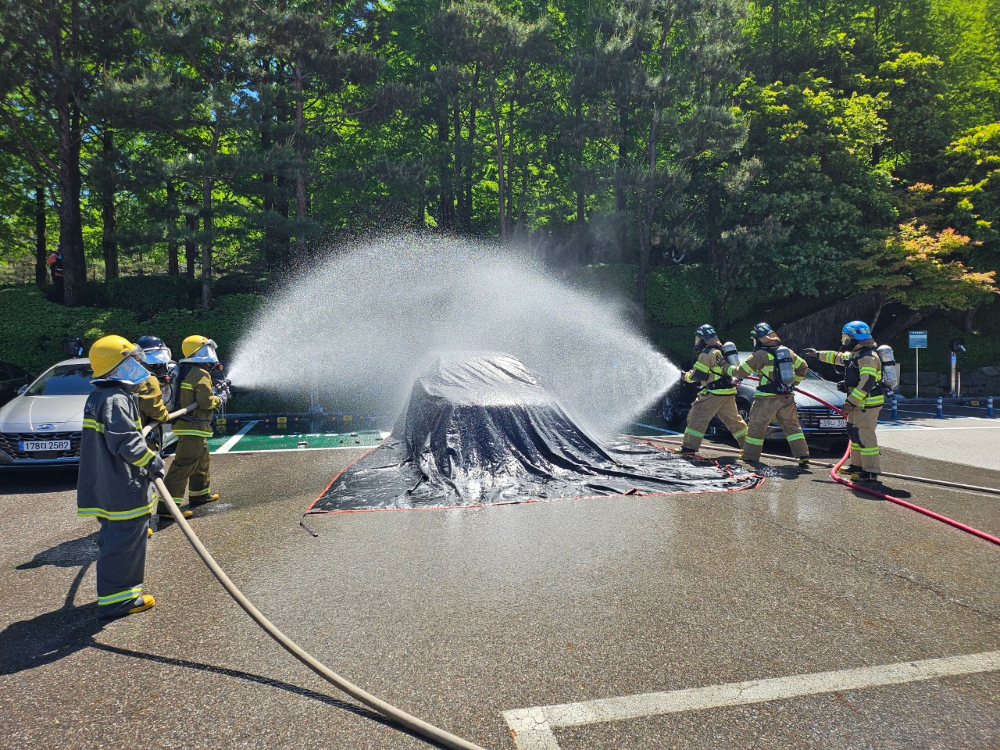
x=479 y=429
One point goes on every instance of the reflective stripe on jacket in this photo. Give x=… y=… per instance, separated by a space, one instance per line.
x=863 y=377
x=112 y=482
x=761 y=364
x=710 y=371
x=197 y=387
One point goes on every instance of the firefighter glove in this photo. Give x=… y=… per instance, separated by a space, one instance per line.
x=848 y=407
x=842 y=386
x=156 y=467
x=810 y=352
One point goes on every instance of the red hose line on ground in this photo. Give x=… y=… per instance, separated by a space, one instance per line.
x=875 y=493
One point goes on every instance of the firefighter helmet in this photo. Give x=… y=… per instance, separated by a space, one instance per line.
x=706 y=332
x=116 y=358
x=857 y=330
x=199 y=349
x=154 y=351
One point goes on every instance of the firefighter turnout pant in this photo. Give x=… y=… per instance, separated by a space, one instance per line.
x=191 y=464
x=861 y=425
x=704 y=408
x=121 y=564
x=780 y=409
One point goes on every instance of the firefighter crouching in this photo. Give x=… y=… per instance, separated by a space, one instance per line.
x=190 y=468
x=778 y=370
x=717 y=395
x=865 y=396
x=115 y=469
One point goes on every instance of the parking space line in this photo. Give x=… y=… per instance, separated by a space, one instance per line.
x=228 y=445
x=532 y=727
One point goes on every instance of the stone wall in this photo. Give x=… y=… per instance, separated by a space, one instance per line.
x=821 y=330
x=982 y=382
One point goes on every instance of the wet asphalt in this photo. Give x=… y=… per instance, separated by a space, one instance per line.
x=460 y=615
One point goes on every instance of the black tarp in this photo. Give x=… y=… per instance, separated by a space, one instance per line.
x=479 y=429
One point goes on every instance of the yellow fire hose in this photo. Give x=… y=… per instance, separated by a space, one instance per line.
x=392 y=713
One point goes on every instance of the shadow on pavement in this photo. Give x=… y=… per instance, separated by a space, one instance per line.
x=261 y=680
x=82 y=551
x=50 y=636
x=24 y=482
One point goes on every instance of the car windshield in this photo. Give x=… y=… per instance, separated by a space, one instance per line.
x=63 y=380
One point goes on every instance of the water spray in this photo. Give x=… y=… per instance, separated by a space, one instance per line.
x=363 y=323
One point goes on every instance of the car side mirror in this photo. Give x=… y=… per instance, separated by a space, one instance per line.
x=21 y=390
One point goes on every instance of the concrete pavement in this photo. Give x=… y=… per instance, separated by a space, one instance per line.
x=462 y=615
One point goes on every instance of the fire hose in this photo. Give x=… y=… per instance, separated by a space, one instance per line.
x=834 y=474
x=378 y=705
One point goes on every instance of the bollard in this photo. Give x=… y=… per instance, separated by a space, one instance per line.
x=989 y=407
x=940 y=408
x=895 y=407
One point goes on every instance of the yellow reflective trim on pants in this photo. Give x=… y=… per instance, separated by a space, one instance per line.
x=754 y=441
x=870 y=451
x=187 y=386
x=121 y=596
x=200 y=493
x=689 y=431
x=740 y=434
x=194 y=433
x=115 y=515
x=795 y=436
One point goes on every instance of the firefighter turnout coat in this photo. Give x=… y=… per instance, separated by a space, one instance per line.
x=865 y=397
x=772 y=402
x=716 y=397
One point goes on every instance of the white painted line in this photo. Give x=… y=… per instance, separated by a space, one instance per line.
x=532 y=727
x=228 y=445
x=303 y=450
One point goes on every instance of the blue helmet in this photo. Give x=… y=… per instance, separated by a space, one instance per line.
x=857 y=330
x=705 y=332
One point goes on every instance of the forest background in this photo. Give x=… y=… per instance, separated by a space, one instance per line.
x=718 y=160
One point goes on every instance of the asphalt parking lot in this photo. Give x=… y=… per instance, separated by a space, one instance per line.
x=798 y=614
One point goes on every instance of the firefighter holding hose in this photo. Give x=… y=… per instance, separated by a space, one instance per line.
x=190 y=468
x=863 y=385
x=115 y=469
x=778 y=370
x=717 y=395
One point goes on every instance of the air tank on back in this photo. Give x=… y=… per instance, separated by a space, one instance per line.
x=890 y=370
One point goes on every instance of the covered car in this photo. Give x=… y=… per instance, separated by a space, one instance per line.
x=818 y=422
x=41 y=427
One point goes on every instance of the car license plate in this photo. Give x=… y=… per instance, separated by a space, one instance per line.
x=44 y=445
x=833 y=423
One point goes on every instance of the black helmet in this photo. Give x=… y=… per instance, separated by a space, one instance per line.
x=760 y=330
x=154 y=351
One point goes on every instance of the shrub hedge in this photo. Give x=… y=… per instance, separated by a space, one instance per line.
x=32 y=329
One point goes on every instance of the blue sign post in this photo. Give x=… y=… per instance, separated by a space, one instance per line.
x=918 y=341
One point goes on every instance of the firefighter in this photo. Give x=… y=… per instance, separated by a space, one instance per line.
x=717 y=395
x=150 y=395
x=190 y=467
x=773 y=401
x=115 y=470
x=863 y=385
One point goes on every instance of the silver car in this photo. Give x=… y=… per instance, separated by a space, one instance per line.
x=42 y=425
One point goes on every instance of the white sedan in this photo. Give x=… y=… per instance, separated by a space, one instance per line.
x=42 y=425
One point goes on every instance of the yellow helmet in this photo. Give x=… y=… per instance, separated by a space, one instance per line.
x=199 y=349
x=109 y=352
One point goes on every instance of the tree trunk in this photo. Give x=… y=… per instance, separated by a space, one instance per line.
x=271 y=249
x=510 y=154
x=969 y=319
x=41 y=250
x=457 y=187
x=206 y=244
x=775 y=33
x=471 y=151
x=646 y=217
x=109 y=221
x=70 y=186
x=501 y=177
x=620 y=196
x=446 y=192
x=190 y=246
x=300 y=169
x=173 y=265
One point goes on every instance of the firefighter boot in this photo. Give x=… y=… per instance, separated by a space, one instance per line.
x=864 y=477
x=211 y=497
x=143 y=603
x=163 y=512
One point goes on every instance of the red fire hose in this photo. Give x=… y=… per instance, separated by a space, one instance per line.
x=875 y=493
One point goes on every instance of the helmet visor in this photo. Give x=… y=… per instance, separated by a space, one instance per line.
x=205 y=354
x=129 y=371
x=156 y=356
